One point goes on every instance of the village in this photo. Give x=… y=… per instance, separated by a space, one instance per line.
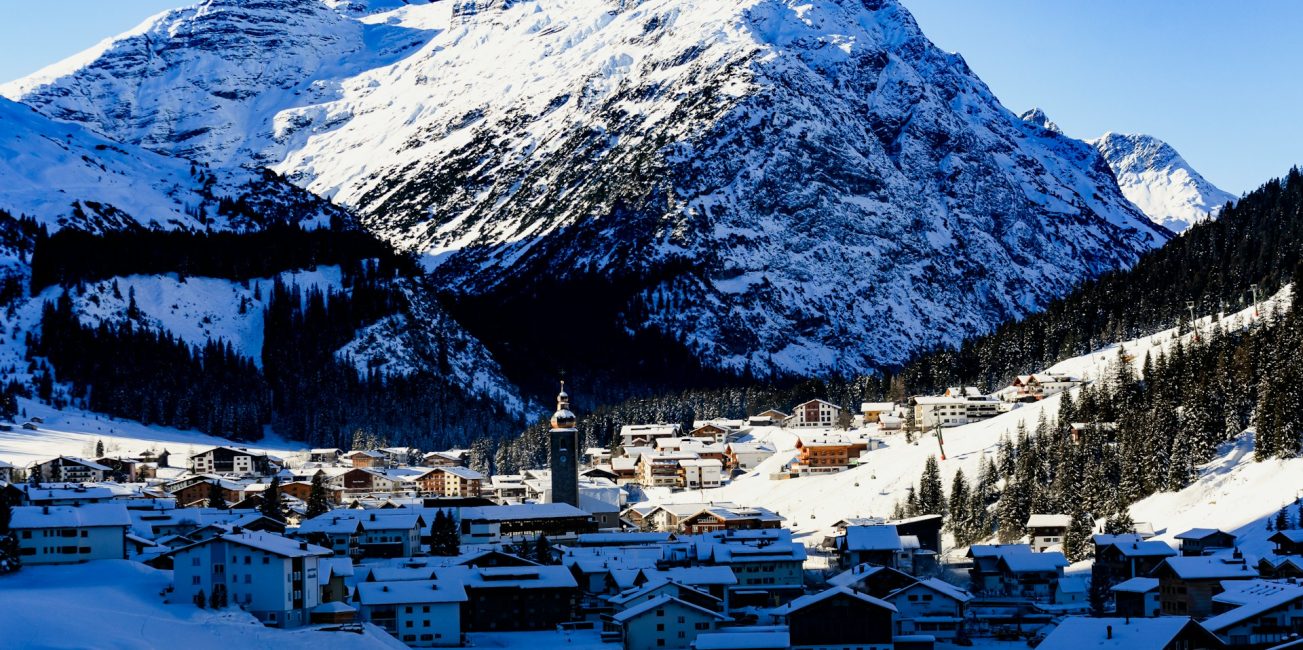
x=436 y=554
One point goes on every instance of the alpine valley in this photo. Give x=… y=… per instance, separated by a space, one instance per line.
x=647 y=195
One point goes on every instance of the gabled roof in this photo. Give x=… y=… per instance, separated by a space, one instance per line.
x=653 y=585
x=1294 y=536
x=662 y=601
x=939 y=586
x=1256 y=605
x=1140 y=585
x=1049 y=521
x=275 y=544
x=1201 y=533
x=997 y=550
x=1033 y=562
x=811 y=599
x=1152 y=548
x=81 y=461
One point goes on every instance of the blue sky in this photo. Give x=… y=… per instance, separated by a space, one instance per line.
x=1218 y=80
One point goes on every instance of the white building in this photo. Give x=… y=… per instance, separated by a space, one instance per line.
x=747 y=455
x=642 y=435
x=67 y=534
x=1047 y=531
x=816 y=413
x=953 y=411
x=700 y=473
x=420 y=613
x=664 y=622
x=272 y=577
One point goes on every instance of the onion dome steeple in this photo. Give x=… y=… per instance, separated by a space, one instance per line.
x=563 y=418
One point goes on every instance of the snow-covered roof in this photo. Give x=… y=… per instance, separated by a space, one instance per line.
x=74 y=491
x=1077 y=632
x=410 y=592
x=1102 y=539
x=662 y=601
x=1049 y=521
x=1208 y=568
x=811 y=599
x=1033 y=562
x=275 y=544
x=857 y=573
x=90 y=515
x=998 y=550
x=1151 y=548
x=513 y=577
x=940 y=586
x=872 y=538
x=333 y=607
x=82 y=461
x=693 y=575
x=521 y=511
x=1138 y=585
x=1200 y=533
x=877 y=406
x=462 y=472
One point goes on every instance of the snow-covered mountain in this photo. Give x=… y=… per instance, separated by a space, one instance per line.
x=799 y=186
x=1159 y=181
x=62 y=175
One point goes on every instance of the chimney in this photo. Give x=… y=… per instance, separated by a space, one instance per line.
x=373 y=516
x=303 y=546
x=1109 y=631
x=45 y=510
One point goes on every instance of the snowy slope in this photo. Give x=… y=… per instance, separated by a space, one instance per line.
x=1159 y=181
x=67 y=176
x=812 y=186
x=118 y=604
x=1226 y=495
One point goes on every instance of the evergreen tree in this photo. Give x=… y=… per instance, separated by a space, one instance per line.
x=931 y=494
x=215 y=498
x=960 y=519
x=542 y=550
x=1282 y=519
x=10 y=557
x=1077 y=544
x=318 y=503
x=99 y=449
x=271 y=500
x=1119 y=524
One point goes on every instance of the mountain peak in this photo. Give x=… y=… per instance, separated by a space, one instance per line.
x=1154 y=176
x=1039 y=118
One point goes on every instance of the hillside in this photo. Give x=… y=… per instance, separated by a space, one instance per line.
x=1232 y=491
x=768 y=185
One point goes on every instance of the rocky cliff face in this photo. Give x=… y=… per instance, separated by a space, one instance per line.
x=777 y=185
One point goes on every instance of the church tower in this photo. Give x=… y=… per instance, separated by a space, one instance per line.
x=564 y=453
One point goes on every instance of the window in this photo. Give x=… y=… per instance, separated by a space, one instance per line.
x=194 y=561
x=660 y=627
x=702 y=626
x=247 y=559
x=425 y=609
x=194 y=580
x=266 y=559
x=408 y=623
x=248 y=578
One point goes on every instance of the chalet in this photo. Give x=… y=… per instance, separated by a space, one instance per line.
x=7 y=472
x=365 y=458
x=449 y=458
x=1186 y=585
x=1137 y=598
x=1046 y=531
x=824 y=453
x=875 y=544
x=717 y=518
x=272 y=577
x=1125 y=560
x=931 y=606
x=839 y=618
x=625 y=469
x=661 y=469
x=229 y=460
x=1174 y=633
x=67 y=469
x=710 y=431
x=1281 y=567
x=816 y=413
x=126 y=470
x=197 y=492
x=653 y=589
x=700 y=473
x=746 y=456
x=69 y=534
x=1288 y=542
x=597 y=456
x=400 y=456
x=453 y=481
x=302 y=490
x=600 y=471
x=325 y=456
x=873 y=411
x=1257 y=613
x=1038 y=386
x=663 y=622
x=1203 y=541
x=1106 y=431
x=642 y=435
x=871 y=579
x=985 y=572
x=770 y=418
x=514 y=598
x=494 y=524
x=1034 y=576
x=420 y=613
x=507 y=488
